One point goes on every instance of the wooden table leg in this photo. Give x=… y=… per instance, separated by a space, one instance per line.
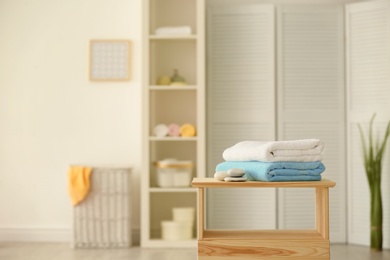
x=322 y=211
x=200 y=213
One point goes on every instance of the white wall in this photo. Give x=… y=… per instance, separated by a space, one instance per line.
x=51 y=115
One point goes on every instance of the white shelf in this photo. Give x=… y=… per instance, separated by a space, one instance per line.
x=157 y=87
x=162 y=54
x=155 y=138
x=172 y=37
x=155 y=189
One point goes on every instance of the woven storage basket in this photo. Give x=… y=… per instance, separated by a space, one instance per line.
x=102 y=220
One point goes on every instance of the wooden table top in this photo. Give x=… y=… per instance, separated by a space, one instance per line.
x=213 y=183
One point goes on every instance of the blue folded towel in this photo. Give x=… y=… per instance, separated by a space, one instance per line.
x=277 y=171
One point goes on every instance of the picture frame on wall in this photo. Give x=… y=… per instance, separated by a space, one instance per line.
x=109 y=60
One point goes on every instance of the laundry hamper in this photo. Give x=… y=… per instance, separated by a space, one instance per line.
x=102 y=220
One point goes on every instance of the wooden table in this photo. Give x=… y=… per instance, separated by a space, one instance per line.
x=265 y=244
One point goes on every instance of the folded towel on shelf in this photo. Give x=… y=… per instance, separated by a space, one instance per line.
x=305 y=150
x=277 y=171
x=177 y=30
x=78 y=183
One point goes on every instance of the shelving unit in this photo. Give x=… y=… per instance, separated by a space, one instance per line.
x=171 y=104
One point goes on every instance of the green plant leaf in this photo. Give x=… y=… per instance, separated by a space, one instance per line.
x=373 y=164
x=370 y=142
x=373 y=151
x=365 y=155
x=383 y=146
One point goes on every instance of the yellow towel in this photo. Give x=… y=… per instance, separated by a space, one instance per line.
x=187 y=130
x=78 y=183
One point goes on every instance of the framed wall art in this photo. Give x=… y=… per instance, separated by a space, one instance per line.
x=109 y=60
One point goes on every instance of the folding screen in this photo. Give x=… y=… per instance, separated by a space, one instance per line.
x=368 y=91
x=310 y=104
x=240 y=105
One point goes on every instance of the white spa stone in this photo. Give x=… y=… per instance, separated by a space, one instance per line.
x=235 y=172
x=221 y=175
x=231 y=179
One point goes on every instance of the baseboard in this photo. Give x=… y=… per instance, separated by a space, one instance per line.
x=35 y=234
x=47 y=235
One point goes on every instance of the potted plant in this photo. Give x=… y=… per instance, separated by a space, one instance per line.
x=373 y=152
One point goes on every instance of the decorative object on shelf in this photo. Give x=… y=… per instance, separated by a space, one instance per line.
x=161 y=130
x=186 y=214
x=187 y=130
x=176 y=230
x=220 y=175
x=164 y=81
x=177 y=80
x=235 y=179
x=173 y=130
x=173 y=173
x=175 y=30
x=109 y=60
x=373 y=152
x=182 y=225
x=233 y=174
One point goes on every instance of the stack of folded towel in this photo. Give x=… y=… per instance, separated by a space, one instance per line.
x=174 y=30
x=295 y=160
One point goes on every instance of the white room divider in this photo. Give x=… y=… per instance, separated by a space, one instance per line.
x=368 y=91
x=310 y=104
x=240 y=105
x=332 y=71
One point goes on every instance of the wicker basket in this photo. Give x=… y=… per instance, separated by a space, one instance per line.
x=102 y=220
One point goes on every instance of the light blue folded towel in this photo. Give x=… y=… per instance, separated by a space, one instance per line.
x=277 y=171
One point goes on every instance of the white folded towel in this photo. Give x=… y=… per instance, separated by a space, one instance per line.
x=177 y=30
x=305 y=150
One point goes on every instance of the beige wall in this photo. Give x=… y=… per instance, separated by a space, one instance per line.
x=51 y=115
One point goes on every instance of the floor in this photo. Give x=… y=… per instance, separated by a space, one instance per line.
x=62 y=251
